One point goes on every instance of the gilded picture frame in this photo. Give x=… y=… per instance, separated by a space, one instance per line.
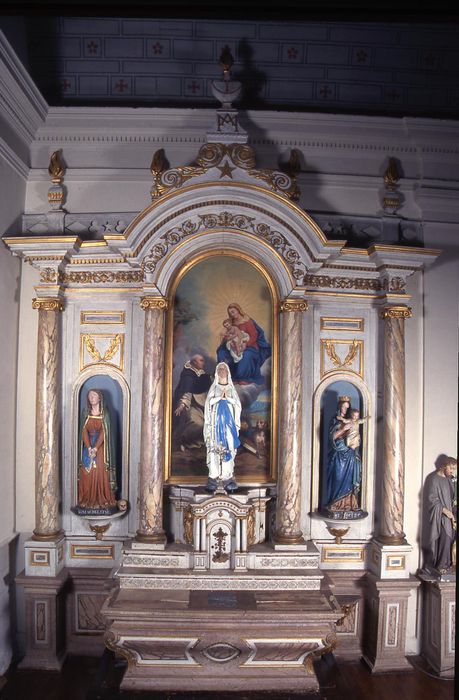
x=201 y=294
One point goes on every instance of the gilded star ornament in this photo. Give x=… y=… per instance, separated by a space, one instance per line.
x=226 y=170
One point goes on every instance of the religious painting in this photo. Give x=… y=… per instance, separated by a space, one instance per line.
x=223 y=311
x=342 y=430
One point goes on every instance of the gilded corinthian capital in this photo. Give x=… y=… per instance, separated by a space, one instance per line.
x=154 y=303
x=401 y=311
x=294 y=305
x=48 y=304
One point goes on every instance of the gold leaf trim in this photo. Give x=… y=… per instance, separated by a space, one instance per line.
x=397 y=312
x=112 y=348
x=48 y=304
x=293 y=305
x=395 y=285
x=335 y=359
x=91 y=348
x=154 y=303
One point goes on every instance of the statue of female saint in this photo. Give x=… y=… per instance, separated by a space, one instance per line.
x=344 y=467
x=222 y=421
x=96 y=472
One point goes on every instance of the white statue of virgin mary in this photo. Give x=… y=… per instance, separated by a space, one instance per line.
x=222 y=421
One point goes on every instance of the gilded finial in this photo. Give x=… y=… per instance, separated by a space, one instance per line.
x=56 y=168
x=159 y=162
x=226 y=60
x=392 y=175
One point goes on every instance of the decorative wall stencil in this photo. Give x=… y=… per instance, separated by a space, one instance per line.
x=341 y=355
x=102 y=348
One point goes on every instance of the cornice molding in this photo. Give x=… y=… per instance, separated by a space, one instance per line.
x=324 y=131
x=13 y=160
x=23 y=105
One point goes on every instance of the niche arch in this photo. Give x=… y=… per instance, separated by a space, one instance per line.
x=336 y=382
x=114 y=385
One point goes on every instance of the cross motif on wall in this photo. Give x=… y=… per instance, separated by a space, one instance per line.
x=121 y=85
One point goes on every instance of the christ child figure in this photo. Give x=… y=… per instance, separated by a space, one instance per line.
x=353 y=432
x=235 y=339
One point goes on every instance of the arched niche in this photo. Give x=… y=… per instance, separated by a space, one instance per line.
x=200 y=294
x=324 y=409
x=117 y=400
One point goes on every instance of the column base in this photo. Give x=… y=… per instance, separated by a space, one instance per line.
x=156 y=541
x=283 y=541
x=39 y=537
x=389 y=561
x=45 y=557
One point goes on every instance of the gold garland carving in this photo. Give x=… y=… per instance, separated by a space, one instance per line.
x=336 y=360
x=396 y=285
x=293 y=305
x=94 y=352
x=43 y=304
x=228 y=220
x=154 y=303
x=48 y=275
x=135 y=276
x=397 y=312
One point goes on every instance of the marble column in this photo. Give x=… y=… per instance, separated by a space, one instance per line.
x=152 y=426
x=288 y=509
x=47 y=420
x=393 y=477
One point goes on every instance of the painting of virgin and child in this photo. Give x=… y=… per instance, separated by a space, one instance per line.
x=223 y=313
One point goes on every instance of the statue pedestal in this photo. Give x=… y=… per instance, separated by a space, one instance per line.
x=44 y=611
x=386 y=613
x=438 y=624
